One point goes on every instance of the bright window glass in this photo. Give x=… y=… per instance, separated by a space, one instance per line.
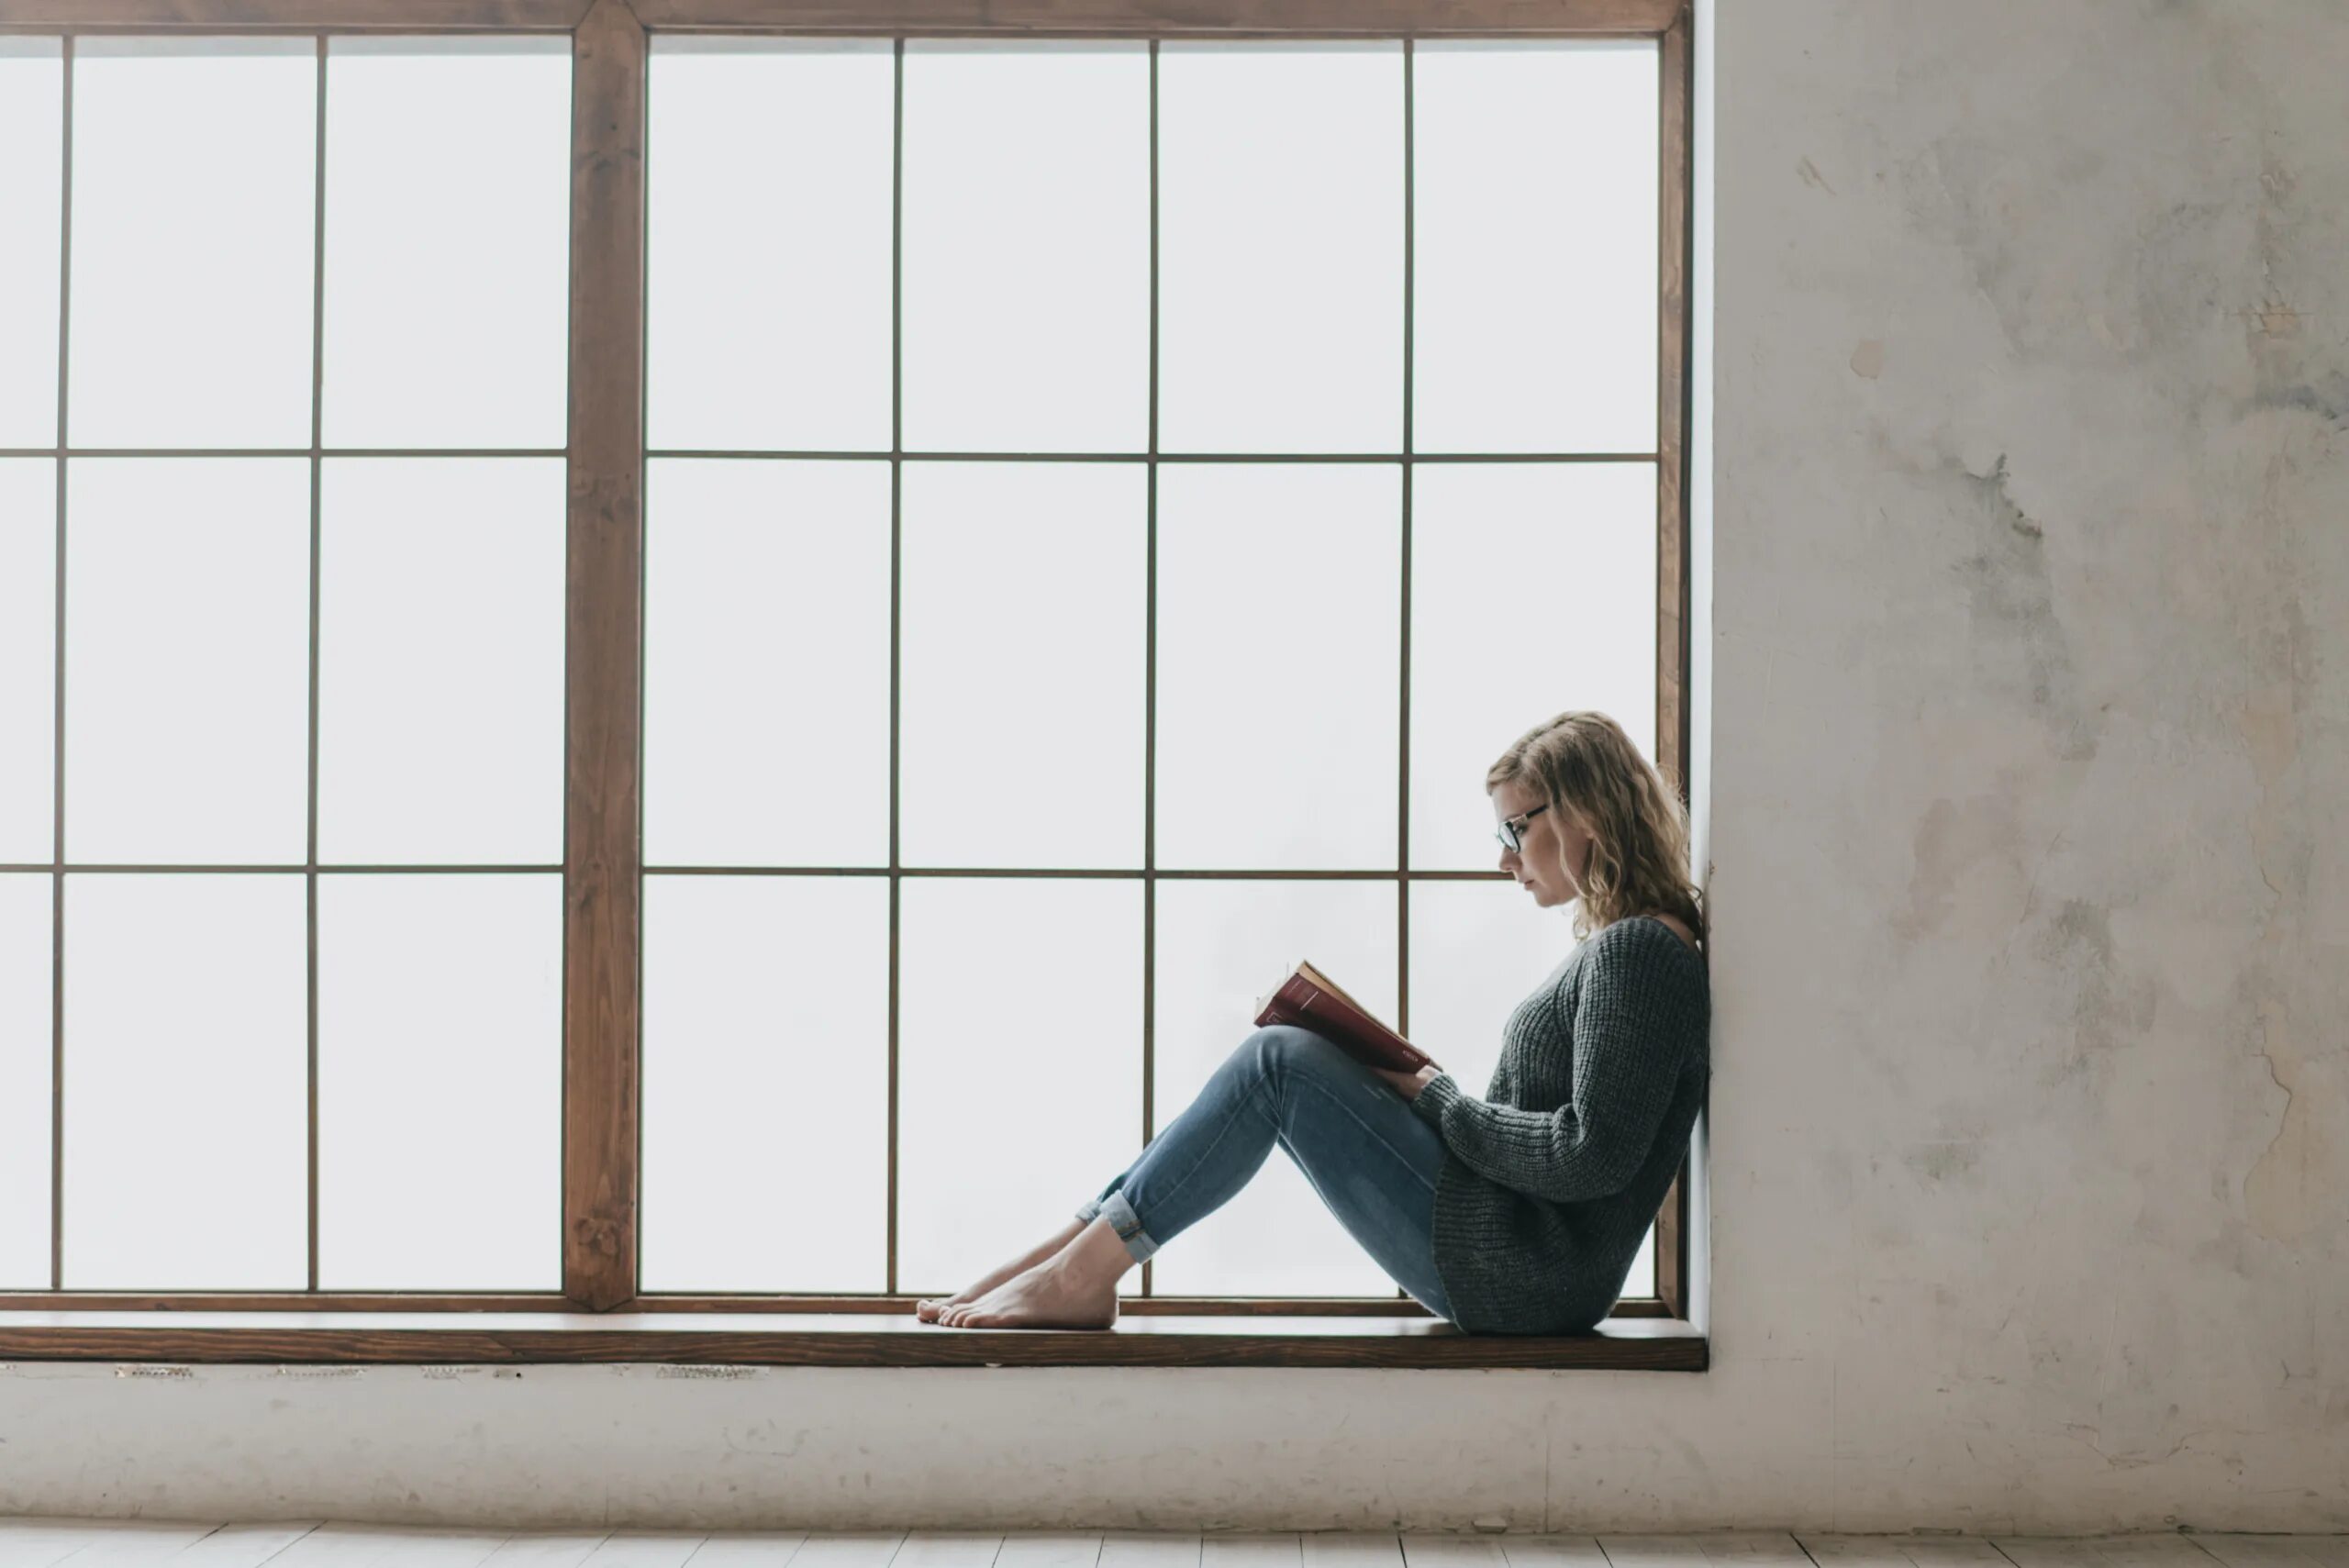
x=187 y=1099
x=27 y=658
x=1280 y=253
x=766 y=662
x=187 y=586
x=766 y=1084
x=1010 y=1114
x=1277 y=709
x=194 y=241
x=32 y=169
x=1027 y=254
x=26 y=1044
x=768 y=243
x=448 y=243
x=1022 y=611
x=1534 y=277
x=439 y=1082
x=441 y=649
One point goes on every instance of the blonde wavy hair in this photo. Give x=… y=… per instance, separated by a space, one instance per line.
x=1587 y=768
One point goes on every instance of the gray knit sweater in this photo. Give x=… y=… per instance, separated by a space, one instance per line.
x=1550 y=1181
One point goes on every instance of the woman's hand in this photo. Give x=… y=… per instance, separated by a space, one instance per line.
x=1408 y=1085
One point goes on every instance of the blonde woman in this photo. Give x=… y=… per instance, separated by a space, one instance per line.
x=1518 y=1213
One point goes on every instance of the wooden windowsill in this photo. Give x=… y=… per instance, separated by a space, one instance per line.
x=739 y=1338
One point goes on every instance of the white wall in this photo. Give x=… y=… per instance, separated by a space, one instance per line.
x=2029 y=1128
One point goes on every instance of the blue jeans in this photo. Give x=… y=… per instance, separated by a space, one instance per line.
x=1365 y=1150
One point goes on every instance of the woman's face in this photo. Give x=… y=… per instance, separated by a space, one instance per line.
x=1554 y=843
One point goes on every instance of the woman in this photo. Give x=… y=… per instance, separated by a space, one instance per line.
x=1518 y=1213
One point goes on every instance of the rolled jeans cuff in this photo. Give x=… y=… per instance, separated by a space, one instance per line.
x=1122 y=1217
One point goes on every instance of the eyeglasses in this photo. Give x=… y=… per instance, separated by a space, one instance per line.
x=1512 y=825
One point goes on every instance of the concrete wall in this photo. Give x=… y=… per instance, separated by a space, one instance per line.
x=2027 y=1158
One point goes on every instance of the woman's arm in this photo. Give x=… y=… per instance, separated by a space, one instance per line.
x=1634 y=1023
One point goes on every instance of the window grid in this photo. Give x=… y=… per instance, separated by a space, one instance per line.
x=1152 y=457
x=58 y=866
x=1670 y=442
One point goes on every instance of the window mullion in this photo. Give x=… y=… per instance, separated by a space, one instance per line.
x=602 y=664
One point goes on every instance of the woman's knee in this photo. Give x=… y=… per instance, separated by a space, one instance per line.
x=1291 y=1048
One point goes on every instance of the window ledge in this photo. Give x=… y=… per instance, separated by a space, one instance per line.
x=738 y=1339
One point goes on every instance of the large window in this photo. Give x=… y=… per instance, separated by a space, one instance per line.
x=284 y=676
x=1055 y=530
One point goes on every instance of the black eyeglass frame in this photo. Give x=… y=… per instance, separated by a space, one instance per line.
x=1512 y=825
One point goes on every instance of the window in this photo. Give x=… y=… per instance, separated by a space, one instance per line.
x=990 y=399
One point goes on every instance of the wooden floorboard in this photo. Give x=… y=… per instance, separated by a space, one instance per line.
x=1421 y=1550
x=2163 y=1551
x=1901 y=1551
x=646 y=1549
x=946 y=1549
x=135 y=1544
x=50 y=1542
x=1350 y=1549
x=1255 y=1549
x=44 y=1543
x=570 y=1549
x=1553 y=1552
x=846 y=1548
x=356 y=1545
x=1731 y=1549
x=2277 y=1550
x=1049 y=1548
x=1141 y=1549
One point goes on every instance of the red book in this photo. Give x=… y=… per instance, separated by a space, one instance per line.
x=1310 y=999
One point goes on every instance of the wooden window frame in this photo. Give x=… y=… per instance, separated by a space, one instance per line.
x=599 y=1315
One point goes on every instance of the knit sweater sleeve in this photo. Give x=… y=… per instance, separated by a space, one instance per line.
x=1635 y=1025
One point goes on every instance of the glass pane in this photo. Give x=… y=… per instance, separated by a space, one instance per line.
x=32 y=167
x=1641 y=1281
x=446 y=747
x=1487 y=663
x=767 y=274
x=1534 y=274
x=1027 y=253
x=767 y=664
x=1278 y=708
x=1019 y=1065
x=448 y=236
x=1478 y=949
x=24 y=1046
x=194 y=241
x=1280 y=249
x=1025 y=622
x=27 y=658
x=187 y=653
x=186 y=1082
x=766 y=1084
x=1220 y=946
x=440 y=1083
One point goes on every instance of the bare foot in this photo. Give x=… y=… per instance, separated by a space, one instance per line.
x=1049 y=1296
x=928 y=1308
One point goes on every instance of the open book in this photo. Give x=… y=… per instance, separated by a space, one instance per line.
x=1310 y=999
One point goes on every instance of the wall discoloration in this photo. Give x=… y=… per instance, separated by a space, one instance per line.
x=2012 y=598
x=2033 y=822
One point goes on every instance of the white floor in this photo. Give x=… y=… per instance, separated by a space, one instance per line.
x=105 y=1543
